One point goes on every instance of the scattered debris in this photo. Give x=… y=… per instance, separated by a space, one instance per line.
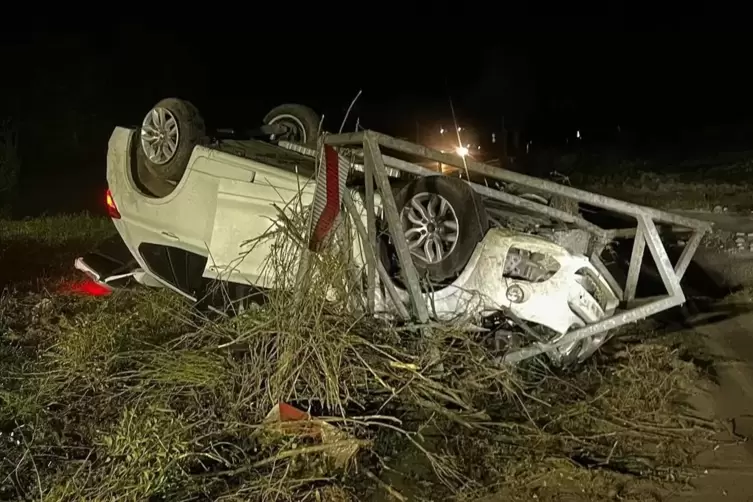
x=296 y=425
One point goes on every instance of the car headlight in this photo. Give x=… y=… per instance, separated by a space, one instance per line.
x=515 y=294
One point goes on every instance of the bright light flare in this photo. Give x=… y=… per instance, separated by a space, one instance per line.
x=462 y=151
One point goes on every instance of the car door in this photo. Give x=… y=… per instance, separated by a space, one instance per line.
x=247 y=213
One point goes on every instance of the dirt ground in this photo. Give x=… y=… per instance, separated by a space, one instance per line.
x=725 y=331
x=718 y=193
x=728 y=469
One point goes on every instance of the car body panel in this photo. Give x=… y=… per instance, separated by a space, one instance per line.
x=559 y=303
x=221 y=201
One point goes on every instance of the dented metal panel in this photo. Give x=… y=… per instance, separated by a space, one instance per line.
x=551 y=292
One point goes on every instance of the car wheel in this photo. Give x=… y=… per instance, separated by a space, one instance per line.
x=302 y=123
x=443 y=219
x=169 y=132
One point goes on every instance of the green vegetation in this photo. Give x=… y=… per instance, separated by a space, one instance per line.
x=139 y=397
x=35 y=250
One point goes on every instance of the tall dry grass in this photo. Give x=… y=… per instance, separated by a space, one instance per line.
x=140 y=397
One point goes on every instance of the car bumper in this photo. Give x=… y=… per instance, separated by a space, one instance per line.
x=560 y=302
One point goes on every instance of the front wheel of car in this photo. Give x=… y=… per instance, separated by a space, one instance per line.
x=444 y=219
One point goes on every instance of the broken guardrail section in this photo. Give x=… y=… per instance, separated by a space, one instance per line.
x=368 y=145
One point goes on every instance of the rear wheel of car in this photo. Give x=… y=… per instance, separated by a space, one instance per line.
x=168 y=134
x=301 y=121
x=443 y=219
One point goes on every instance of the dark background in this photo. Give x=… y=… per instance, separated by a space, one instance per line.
x=647 y=82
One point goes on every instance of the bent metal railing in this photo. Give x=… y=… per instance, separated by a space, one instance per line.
x=369 y=144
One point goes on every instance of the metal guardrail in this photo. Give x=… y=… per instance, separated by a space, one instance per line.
x=369 y=145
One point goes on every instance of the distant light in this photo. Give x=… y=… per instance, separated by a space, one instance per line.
x=462 y=151
x=441 y=130
x=478 y=147
x=494 y=137
x=467 y=145
x=577 y=134
x=460 y=129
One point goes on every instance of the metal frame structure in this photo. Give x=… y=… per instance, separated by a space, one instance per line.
x=376 y=165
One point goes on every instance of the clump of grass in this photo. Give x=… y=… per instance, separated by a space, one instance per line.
x=57 y=231
x=617 y=429
x=138 y=396
x=142 y=454
x=35 y=250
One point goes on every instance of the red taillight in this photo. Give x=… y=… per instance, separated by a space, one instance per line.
x=112 y=209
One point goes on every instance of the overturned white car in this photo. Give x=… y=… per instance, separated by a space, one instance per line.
x=185 y=203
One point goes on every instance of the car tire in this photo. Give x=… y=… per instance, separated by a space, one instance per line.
x=168 y=135
x=463 y=205
x=302 y=120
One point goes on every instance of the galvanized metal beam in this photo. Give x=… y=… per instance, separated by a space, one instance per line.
x=371 y=240
x=372 y=260
x=621 y=233
x=491 y=193
x=591 y=198
x=661 y=259
x=687 y=253
x=374 y=166
x=347 y=138
x=636 y=260
x=613 y=322
x=505 y=197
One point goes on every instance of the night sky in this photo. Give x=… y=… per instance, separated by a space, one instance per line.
x=66 y=88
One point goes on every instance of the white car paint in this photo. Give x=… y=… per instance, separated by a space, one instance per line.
x=221 y=202
x=560 y=302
